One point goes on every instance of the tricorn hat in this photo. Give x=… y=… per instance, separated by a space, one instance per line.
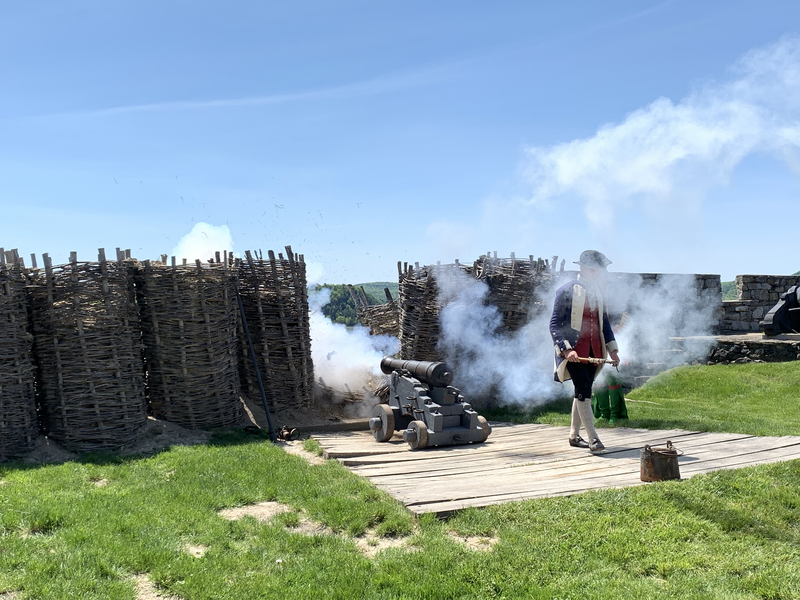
x=593 y=259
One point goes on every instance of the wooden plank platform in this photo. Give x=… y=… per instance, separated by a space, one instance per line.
x=519 y=462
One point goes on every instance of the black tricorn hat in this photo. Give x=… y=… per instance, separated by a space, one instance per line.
x=593 y=259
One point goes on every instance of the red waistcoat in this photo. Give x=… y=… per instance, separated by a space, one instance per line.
x=589 y=337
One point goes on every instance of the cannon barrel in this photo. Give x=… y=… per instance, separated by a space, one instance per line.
x=432 y=373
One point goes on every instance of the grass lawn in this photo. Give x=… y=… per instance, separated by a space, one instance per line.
x=83 y=529
x=759 y=399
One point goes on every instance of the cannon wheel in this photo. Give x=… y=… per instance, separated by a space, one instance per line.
x=386 y=415
x=422 y=435
x=485 y=427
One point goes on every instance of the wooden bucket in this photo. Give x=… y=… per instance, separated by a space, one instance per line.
x=660 y=464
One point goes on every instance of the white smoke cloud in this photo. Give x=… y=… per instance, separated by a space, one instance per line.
x=344 y=357
x=515 y=367
x=202 y=241
x=666 y=316
x=671 y=154
x=314 y=273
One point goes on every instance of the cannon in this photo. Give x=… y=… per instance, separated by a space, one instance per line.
x=785 y=315
x=424 y=405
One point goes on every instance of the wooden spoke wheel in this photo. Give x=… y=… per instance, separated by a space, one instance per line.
x=421 y=438
x=385 y=413
x=485 y=427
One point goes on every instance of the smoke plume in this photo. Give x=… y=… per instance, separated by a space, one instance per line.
x=514 y=367
x=202 y=241
x=345 y=357
x=669 y=154
x=517 y=367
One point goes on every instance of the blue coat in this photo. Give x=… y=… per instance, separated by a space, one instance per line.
x=565 y=326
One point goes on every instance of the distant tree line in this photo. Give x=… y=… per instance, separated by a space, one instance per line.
x=341 y=309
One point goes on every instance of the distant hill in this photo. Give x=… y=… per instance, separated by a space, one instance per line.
x=375 y=289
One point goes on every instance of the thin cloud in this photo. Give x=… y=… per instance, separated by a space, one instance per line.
x=432 y=74
x=669 y=155
x=379 y=85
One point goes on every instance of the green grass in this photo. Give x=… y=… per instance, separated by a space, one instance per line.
x=758 y=399
x=731 y=534
x=82 y=529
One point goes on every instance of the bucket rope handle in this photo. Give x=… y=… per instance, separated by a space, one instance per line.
x=670 y=451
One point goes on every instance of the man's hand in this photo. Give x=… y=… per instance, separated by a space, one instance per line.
x=615 y=358
x=572 y=356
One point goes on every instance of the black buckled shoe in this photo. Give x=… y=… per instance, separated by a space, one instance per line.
x=596 y=446
x=578 y=442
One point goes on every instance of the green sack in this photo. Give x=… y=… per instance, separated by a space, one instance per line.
x=600 y=403
x=608 y=401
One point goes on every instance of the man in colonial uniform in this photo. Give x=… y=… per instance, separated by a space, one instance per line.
x=581 y=329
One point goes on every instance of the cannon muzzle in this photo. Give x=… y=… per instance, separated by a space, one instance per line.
x=433 y=373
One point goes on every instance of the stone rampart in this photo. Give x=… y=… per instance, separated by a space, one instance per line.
x=755 y=296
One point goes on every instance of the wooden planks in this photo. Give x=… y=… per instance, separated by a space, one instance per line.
x=520 y=462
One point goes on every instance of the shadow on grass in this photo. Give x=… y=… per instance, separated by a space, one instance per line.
x=518 y=413
x=220 y=438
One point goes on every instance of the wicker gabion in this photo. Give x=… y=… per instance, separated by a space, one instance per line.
x=18 y=425
x=515 y=286
x=189 y=316
x=87 y=342
x=419 y=313
x=275 y=303
x=381 y=319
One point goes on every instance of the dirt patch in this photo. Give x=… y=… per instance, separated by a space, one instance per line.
x=46 y=450
x=157 y=435
x=477 y=543
x=296 y=448
x=146 y=590
x=309 y=527
x=320 y=412
x=100 y=482
x=160 y=435
x=9 y=596
x=263 y=511
x=371 y=544
x=197 y=551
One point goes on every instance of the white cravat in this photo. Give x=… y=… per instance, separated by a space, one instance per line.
x=592 y=292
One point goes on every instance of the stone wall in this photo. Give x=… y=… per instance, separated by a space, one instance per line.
x=739 y=349
x=756 y=295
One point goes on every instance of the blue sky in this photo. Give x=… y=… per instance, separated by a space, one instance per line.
x=666 y=134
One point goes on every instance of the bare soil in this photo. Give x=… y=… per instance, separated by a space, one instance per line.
x=477 y=543
x=146 y=590
x=263 y=511
x=369 y=543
